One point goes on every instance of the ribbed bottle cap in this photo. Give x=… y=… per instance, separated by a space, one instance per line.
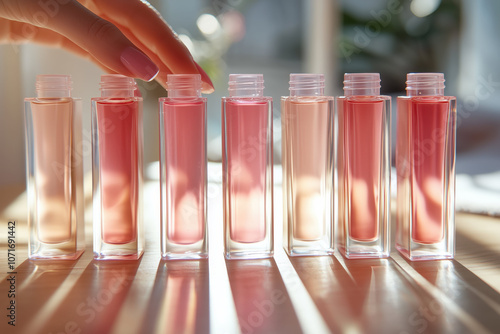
x=184 y=85
x=249 y=85
x=307 y=84
x=361 y=84
x=429 y=84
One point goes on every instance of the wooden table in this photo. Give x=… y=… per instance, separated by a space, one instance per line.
x=278 y=295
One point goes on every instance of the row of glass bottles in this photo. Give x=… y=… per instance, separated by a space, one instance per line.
x=425 y=156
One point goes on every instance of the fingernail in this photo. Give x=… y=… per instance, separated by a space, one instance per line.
x=207 y=85
x=139 y=64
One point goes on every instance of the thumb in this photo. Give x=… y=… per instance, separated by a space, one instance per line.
x=97 y=36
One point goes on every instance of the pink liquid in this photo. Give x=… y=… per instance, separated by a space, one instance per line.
x=52 y=137
x=185 y=159
x=429 y=119
x=363 y=122
x=118 y=122
x=307 y=166
x=246 y=125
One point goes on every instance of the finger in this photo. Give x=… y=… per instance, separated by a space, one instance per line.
x=154 y=35
x=90 y=32
x=15 y=32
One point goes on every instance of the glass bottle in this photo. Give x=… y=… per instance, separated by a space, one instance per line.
x=364 y=167
x=247 y=164
x=117 y=158
x=183 y=169
x=307 y=159
x=425 y=162
x=54 y=170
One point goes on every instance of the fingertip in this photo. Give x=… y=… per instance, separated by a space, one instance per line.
x=207 y=86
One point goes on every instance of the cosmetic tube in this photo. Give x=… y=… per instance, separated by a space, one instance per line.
x=425 y=163
x=183 y=169
x=54 y=170
x=117 y=157
x=307 y=157
x=247 y=167
x=364 y=167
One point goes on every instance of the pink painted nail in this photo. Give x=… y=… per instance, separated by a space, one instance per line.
x=139 y=64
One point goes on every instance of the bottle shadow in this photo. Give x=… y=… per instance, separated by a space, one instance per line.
x=261 y=300
x=476 y=303
x=179 y=301
x=35 y=284
x=369 y=295
x=95 y=300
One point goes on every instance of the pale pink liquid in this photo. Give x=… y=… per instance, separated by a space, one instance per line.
x=429 y=119
x=363 y=122
x=118 y=122
x=52 y=139
x=246 y=124
x=185 y=159
x=307 y=166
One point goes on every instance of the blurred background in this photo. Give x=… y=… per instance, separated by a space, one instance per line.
x=278 y=37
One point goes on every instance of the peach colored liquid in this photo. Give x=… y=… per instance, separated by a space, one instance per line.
x=363 y=154
x=429 y=119
x=246 y=145
x=306 y=145
x=118 y=169
x=52 y=138
x=185 y=159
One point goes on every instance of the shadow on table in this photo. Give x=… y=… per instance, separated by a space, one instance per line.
x=37 y=282
x=94 y=302
x=372 y=295
x=179 y=301
x=261 y=300
x=474 y=301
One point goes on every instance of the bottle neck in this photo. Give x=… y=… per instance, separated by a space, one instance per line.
x=364 y=84
x=425 y=84
x=246 y=85
x=304 y=84
x=184 y=85
x=116 y=85
x=53 y=86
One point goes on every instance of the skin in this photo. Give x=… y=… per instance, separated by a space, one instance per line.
x=100 y=30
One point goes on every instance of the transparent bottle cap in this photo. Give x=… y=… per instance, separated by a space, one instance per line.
x=53 y=85
x=362 y=84
x=307 y=84
x=116 y=81
x=425 y=84
x=184 y=85
x=250 y=85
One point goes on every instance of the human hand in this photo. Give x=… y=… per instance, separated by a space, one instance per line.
x=121 y=36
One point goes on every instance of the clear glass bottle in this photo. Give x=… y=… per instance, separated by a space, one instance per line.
x=425 y=163
x=364 y=167
x=247 y=167
x=307 y=156
x=183 y=169
x=117 y=157
x=54 y=170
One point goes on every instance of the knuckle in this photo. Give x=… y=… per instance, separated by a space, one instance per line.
x=101 y=28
